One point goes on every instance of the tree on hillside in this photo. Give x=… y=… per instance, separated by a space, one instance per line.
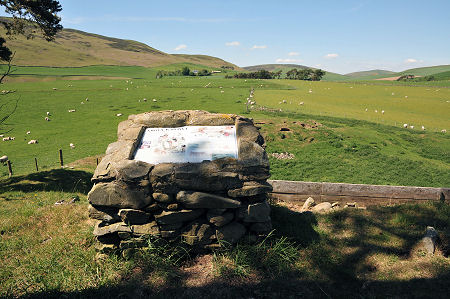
x=185 y=71
x=317 y=75
x=29 y=17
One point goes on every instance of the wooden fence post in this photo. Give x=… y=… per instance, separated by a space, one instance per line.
x=61 y=158
x=9 y=168
x=35 y=163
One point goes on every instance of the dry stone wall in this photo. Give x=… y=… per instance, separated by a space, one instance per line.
x=205 y=204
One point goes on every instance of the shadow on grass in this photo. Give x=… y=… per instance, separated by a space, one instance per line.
x=331 y=271
x=63 y=180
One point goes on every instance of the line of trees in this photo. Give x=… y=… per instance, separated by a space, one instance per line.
x=294 y=74
x=185 y=71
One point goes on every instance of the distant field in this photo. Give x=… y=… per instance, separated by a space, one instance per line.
x=350 y=145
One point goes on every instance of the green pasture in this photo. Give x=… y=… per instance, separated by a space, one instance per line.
x=417 y=106
x=351 y=145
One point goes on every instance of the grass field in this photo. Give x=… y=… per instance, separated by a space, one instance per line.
x=47 y=251
x=350 y=145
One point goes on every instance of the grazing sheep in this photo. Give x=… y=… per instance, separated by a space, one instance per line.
x=1 y=135
x=48 y=113
x=382 y=111
x=405 y=126
x=8 y=138
x=222 y=91
x=3 y=159
x=71 y=110
x=28 y=132
x=367 y=109
x=284 y=101
x=310 y=91
x=87 y=100
x=301 y=103
x=406 y=97
x=154 y=100
x=393 y=94
x=119 y=114
x=423 y=128
x=444 y=131
x=54 y=88
x=33 y=141
x=412 y=127
x=47 y=119
x=72 y=146
x=376 y=111
x=145 y=99
x=82 y=103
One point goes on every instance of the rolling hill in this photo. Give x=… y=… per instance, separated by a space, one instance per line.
x=370 y=73
x=74 y=48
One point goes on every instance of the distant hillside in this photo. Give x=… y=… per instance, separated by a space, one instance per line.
x=274 y=67
x=370 y=73
x=77 y=48
x=426 y=71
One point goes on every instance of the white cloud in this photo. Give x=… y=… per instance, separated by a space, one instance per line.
x=412 y=60
x=331 y=56
x=293 y=54
x=259 y=47
x=233 y=44
x=287 y=60
x=180 y=47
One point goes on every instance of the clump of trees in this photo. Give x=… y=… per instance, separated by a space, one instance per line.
x=294 y=74
x=185 y=71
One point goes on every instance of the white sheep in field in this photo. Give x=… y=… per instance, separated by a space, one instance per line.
x=1 y=136
x=3 y=159
x=48 y=113
x=33 y=141
x=252 y=103
x=284 y=101
x=405 y=126
x=28 y=132
x=119 y=114
x=8 y=138
x=301 y=103
x=367 y=109
x=423 y=128
x=376 y=111
x=154 y=100
x=382 y=111
x=71 y=110
x=87 y=100
x=444 y=131
x=72 y=146
x=412 y=127
x=47 y=119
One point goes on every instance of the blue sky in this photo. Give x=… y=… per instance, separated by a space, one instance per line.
x=339 y=36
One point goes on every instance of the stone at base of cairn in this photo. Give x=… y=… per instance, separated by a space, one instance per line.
x=205 y=205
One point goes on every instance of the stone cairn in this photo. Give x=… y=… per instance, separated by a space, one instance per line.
x=205 y=204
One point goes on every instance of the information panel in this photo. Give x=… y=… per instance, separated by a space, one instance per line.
x=192 y=144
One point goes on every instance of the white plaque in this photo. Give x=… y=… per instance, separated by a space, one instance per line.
x=192 y=144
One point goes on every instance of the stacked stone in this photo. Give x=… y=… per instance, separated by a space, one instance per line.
x=205 y=204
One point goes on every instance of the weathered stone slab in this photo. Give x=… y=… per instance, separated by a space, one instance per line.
x=106 y=214
x=161 y=119
x=131 y=170
x=146 y=229
x=199 y=200
x=322 y=207
x=133 y=243
x=220 y=220
x=203 y=118
x=117 y=195
x=198 y=233
x=170 y=217
x=132 y=216
x=258 y=212
x=163 y=198
x=230 y=233
x=251 y=189
x=252 y=154
x=102 y=228
x=247 y=131
x=128 y=130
